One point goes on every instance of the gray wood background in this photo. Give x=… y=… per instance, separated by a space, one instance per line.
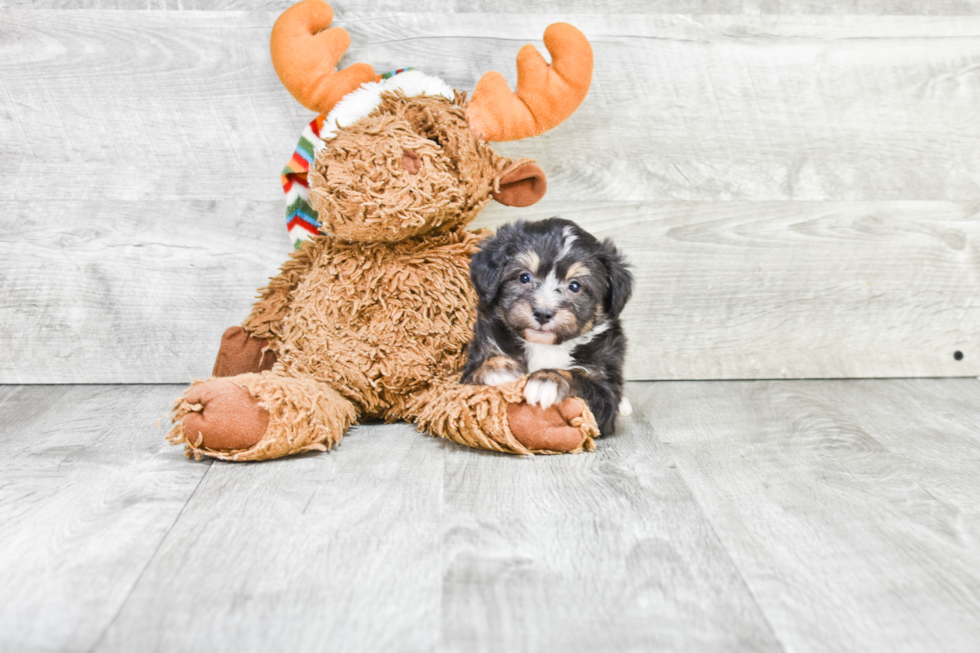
x=796 y=182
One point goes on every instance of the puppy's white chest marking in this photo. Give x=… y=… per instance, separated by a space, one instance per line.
x=557 y=357
x=548 y=357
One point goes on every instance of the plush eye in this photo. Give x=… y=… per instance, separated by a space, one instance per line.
x=525 y=278
x=575 y=286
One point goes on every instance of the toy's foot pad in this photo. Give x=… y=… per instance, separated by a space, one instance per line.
x=240 y=353
x=549 y=430
x=223 y=416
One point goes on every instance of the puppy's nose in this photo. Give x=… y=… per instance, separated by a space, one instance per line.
x=542 y=315
x=411 y=161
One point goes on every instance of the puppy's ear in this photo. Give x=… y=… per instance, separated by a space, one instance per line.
x=620 y=279
x=485 y=269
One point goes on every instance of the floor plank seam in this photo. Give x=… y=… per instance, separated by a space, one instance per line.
x=724 y=547
x=150 y=560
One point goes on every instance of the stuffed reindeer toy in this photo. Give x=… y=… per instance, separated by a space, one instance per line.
x=370 y=319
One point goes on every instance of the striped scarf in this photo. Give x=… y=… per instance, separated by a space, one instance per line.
x=301 y=219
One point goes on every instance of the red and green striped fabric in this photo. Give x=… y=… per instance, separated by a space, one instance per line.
x=301 y=219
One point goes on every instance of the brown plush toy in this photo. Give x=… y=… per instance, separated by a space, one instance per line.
x=371 y=318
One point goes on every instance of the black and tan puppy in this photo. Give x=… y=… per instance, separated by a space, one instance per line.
x=550 y=296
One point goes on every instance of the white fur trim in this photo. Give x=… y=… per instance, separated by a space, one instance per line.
x=557 y=357
x=365 y=99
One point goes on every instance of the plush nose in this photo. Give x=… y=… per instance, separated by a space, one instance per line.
x=411 y=161
x=542 y=315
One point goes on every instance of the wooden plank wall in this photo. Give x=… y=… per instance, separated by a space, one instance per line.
x=796 y=182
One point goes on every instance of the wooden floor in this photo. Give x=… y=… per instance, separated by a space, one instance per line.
x=725 y=516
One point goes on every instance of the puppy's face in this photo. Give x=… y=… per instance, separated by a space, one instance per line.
x=549 y=300
x=549 y=281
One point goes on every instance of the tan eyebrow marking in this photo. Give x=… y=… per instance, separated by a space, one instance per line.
x=529 y=260
x=577 y=269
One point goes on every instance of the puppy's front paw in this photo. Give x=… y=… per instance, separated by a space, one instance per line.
x=546 y=388
x=497 y=371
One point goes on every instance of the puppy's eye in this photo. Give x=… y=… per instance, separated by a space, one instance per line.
x=525 y=278
x=575 y=286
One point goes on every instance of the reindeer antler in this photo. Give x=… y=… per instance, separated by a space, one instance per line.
x=305 y=55
x=546 y=95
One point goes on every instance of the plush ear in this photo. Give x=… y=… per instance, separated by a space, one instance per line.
x=620 y=279
x=485 y=269
x=521 y=186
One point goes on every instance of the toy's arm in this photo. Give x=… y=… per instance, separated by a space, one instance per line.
x=265 y=320
x=496 y=418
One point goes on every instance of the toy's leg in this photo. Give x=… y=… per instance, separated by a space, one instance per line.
x=259 y=416
x=496 y=418
x=242 y=353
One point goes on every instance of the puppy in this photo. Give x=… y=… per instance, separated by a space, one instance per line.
x=550 y=296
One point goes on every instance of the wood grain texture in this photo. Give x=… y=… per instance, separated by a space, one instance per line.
x=748 y=516
x=344 y=7
x=141 y=291
x=604 y=552
x=323 y=552
x=818 y=492
x=185 y=105
x=133 y=291
x=935 y=438
x=140 y=204
x=395 y=541
x=88 y=490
